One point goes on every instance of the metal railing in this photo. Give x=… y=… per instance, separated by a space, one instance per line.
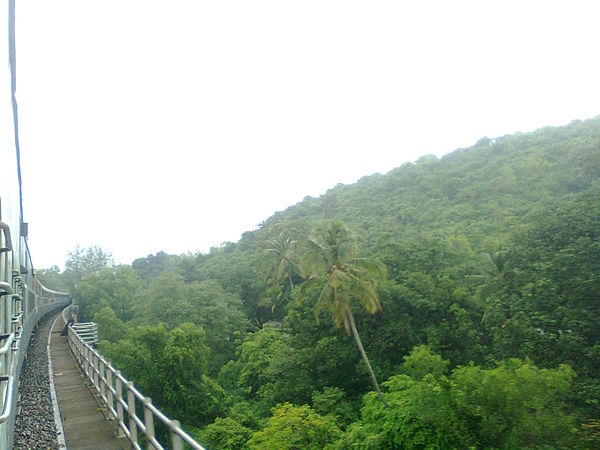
x=87 y=331
x=123 y=400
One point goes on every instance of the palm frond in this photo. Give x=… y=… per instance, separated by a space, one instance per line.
x=306 y=287
x=322 y=301
x=370 y=267
x=366 y=292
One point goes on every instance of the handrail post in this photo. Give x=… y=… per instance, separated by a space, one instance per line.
x=102 y=379
x=176 y=441
x=80 y=354
x=119 y=393
x=77 y=345
x=86 y=362
x=109 y=394
x=90 y=365
x=149 y=422
x=95 y=371
x=131 y=412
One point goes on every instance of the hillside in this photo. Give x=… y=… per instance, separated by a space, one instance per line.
x=470 y=191
x=487 y=335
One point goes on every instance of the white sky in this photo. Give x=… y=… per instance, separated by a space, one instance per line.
x=178 y=125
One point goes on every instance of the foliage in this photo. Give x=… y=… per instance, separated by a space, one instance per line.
x=113 y=287
x=225 y=434
x=419 y=415
x=271 y=371
x=332 y=401
x=81 y=262
x=492 y=293
x=515 y=405
x=422 y=362
x=53 y=279
x=281 y=258
x=112 y=329
x=340 y=277
x=152 y=266
x=171 y=367
x=168 y=299
x=295 y=427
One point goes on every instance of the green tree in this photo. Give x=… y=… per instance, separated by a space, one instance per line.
x=170 y=300
x=489 y=279
x=334 y=269
x=422 y=362
x=280 y=258
x=171 y=368
x=53 y=279
x=81 y=262
x=332 y=401
x=115 y=287
x=419 y=415
x=515 y=405
x=271 y=371
x=188 y=393
x=139 y=356
x=280 y=265
x=224 y=434
x=237 y=272
x=152 y=266
x=110 y=327
x=295 y=427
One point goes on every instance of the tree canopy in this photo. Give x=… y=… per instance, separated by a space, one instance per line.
x=483 y=333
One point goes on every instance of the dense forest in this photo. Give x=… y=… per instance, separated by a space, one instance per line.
x=466 y=290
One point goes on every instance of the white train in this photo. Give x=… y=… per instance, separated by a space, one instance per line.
x=23 y=299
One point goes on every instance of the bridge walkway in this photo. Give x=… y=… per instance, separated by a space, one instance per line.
x=84 y=423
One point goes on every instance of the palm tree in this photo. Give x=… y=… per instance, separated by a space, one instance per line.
x=280 y=258
x=489 y=278
x=331 y=265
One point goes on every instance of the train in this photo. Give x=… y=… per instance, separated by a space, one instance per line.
x=24 y=300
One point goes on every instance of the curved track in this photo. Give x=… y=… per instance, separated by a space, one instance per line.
x=34 y=425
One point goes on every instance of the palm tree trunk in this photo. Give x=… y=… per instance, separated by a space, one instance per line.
x=364 y=355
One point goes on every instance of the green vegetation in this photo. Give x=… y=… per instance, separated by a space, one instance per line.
x=339 y=277
x=484 y=332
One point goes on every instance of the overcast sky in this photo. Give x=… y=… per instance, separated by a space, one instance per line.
x=178 y=125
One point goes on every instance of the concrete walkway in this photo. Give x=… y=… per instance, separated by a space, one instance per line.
x=84 y=423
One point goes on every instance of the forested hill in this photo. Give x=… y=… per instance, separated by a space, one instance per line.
x=487 y=188
x=484 y=333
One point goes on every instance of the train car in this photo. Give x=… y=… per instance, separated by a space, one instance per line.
x=23 y=299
